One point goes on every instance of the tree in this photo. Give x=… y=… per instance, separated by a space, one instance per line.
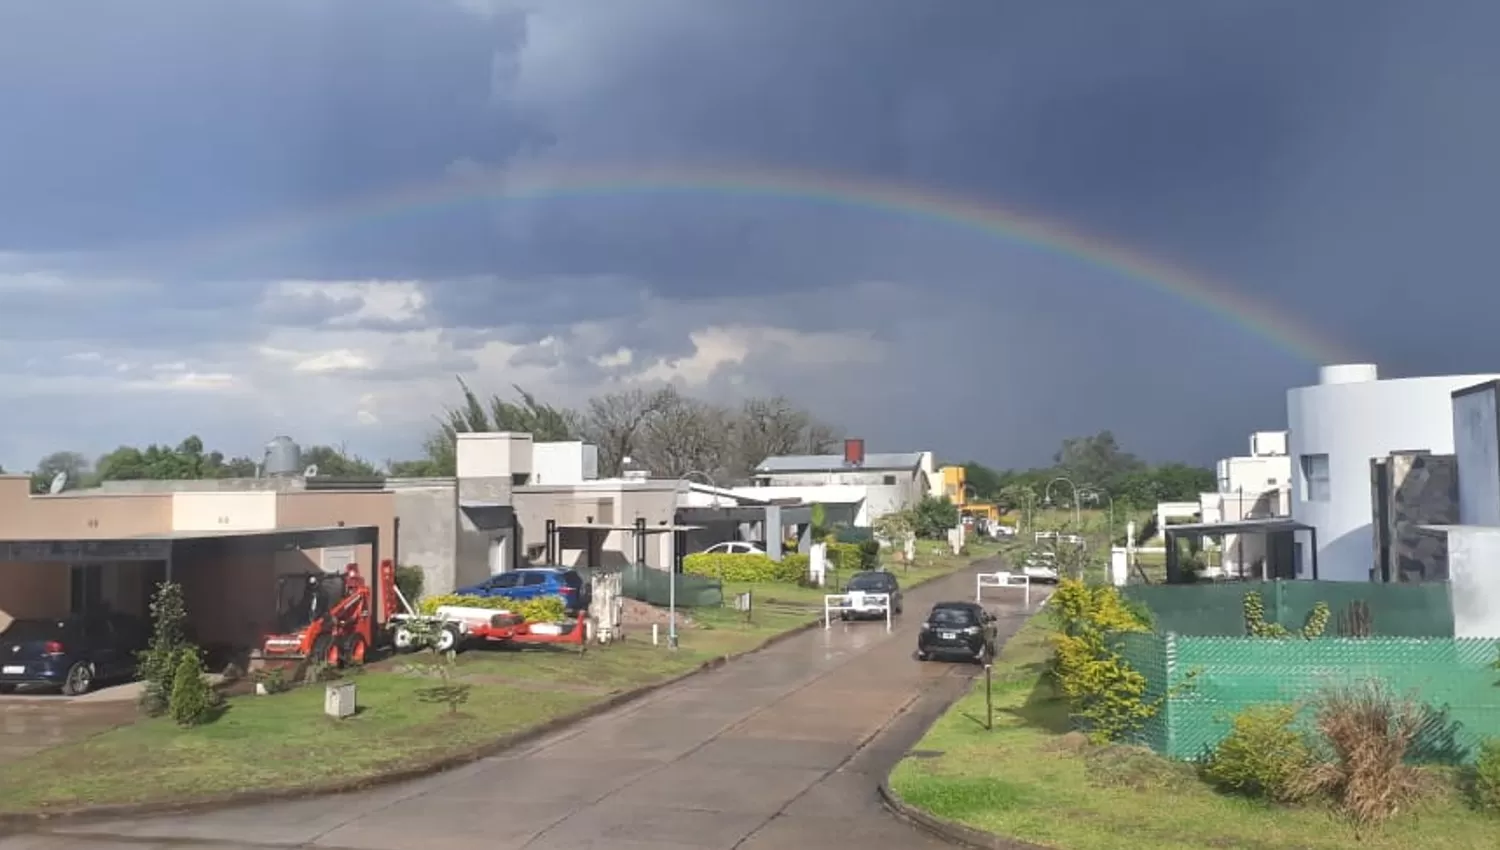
x=1095 y=461
x=985 y=481
x=160 y=462
x=614 y=423
x=338 y=463
x=528 y=415
x=686 y=435
x=768 y=427
x=74 y=465
x=935 y=515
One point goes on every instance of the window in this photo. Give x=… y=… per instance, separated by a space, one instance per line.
x=533 y=580
x=888 y=480
x=1315 y=478
x=504 y=580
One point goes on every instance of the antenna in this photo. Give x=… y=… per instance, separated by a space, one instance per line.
x=59 y=481
x=311 y=471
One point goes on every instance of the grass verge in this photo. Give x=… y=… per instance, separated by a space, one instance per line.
x=284 y=741
x=1032 y=781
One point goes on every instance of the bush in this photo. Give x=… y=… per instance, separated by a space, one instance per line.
x=1262 y=756
x=192 y=700
x=1105 y=695
x=742 y=567
x=1369 y=732
x=796 y=562
x=409 y=581
x=869 y=555
x=159 y=662
x=543 y=609
x=1487 y=775
x=844 y=558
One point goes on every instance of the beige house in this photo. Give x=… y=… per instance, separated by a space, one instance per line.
x=89 y=550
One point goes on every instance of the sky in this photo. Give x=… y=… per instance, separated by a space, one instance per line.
x=305 y=217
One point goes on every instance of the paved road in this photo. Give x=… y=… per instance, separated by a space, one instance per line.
x=780 y=751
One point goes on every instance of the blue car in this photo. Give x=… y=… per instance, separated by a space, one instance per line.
x=535 y=582
x=70 y=653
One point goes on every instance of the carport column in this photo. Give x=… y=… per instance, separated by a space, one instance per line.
x=167 y=567
x=773 y=532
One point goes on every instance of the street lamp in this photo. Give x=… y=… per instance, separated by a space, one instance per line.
x=1077 y=517
x=1093 y=494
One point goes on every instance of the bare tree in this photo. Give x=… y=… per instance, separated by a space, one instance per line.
x=614 y=423
x=768 y=427
x=687 y=435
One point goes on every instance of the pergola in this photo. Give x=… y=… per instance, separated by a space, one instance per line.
x=1269 y=527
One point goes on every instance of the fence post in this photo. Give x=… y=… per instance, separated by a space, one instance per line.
x=1169 y=665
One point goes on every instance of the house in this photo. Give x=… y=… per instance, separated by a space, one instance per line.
x=884 y=483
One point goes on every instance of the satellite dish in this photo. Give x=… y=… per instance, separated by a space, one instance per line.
x=59 y=481
x=310 y=472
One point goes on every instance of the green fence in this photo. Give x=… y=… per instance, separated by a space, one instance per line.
x=1395 y=610
x=1205 y=681
x=654 y=587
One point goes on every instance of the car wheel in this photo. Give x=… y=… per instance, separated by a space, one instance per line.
x=80 y=679
x=7 y=689
x=447 y=639
x=403 y=639
x=922 y=656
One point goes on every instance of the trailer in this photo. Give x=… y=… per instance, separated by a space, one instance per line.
x=456 y=627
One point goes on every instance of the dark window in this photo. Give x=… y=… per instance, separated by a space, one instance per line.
x=86 y=589
x=888 y=480
x=519 y=479
x=504 y=580
x=533 y=580
x=951 y=617
x=872 y=582
x=30 y=630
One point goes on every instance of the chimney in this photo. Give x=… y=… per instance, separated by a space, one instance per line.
x=854 y=452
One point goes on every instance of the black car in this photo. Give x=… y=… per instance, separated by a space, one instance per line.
x=872 y=581
x=957 y=629
x=70 y=653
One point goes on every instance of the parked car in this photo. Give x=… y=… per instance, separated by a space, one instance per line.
x=734 y=547
x=872 y=581
x=958 y=629
x=1041 y=567
x=71 y=653
x=536 y=582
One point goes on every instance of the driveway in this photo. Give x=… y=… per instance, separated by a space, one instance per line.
x=780 y=751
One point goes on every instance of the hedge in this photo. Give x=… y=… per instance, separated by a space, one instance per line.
x=744 y=567
x=845 y=558
x=542 y=609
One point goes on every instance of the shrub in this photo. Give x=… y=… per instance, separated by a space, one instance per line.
x=543 y=609
x=1487 y=775
x=192 y=699
x=869 y=555
x=741 y=567
x=1262 y=756
x=844 y=558
x=1257 y=626
x=1369 y=732
x=795 y=563
x=1104 y=693
x=159 y=662
x=409 y=581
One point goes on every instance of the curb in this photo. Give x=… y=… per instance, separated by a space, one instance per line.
x=953 y=833
x=11 y=824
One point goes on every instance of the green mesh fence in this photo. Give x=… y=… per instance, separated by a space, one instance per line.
x=654 y=587
x=1208 y=680
x=853 y=534
x=1208 y=609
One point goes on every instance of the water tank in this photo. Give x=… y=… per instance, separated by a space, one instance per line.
x=1348 y=373
x=283 y=457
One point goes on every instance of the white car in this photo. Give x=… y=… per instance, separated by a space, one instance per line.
x=737 y=547
x=1040 y=567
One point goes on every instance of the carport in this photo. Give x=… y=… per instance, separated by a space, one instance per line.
x=594 y=533
x=771 y=518
x=163 y=557
x=1283 y=551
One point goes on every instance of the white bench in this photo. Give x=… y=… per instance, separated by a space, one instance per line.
x=859 y=602
x=1002 y=579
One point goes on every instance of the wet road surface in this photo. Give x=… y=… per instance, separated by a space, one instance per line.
x=782 y=750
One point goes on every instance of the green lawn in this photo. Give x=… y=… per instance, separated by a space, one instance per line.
x=284 y=741
x=1030 y=780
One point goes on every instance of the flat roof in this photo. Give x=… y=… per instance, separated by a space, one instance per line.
x=1266 y=525
x=160 y=547
x=604 y=526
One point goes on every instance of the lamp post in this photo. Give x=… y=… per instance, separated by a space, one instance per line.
x=1093 y=494
x=1077 y=517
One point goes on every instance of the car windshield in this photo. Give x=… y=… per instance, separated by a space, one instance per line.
x=29 y=630
x=951 y=617
x=870 y=582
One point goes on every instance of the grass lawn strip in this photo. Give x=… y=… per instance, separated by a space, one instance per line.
x=284 y=741
x=1030 y=780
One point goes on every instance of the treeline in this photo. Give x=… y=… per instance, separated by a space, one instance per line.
x=1095 y=464
x=663 y=431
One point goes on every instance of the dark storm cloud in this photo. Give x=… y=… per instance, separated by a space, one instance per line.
x=1330 y=158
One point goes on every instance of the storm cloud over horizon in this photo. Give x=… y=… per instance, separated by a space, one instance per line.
x=230 y=219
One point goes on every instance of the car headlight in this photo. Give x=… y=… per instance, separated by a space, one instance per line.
x=926 y=627
x=971 y=630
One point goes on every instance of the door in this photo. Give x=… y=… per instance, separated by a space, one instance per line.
x=499 y=555
x=501 y=585
x=532 y=585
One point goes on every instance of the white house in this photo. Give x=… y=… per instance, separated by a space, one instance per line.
x=882 y=483
x=1253 y=486
x=1336 y=428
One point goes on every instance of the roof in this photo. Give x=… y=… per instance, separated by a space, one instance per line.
x=1265 y=525
x=156 y=547
x=835 y=463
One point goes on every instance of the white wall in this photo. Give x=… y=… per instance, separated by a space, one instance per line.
x=1476 y=445
x=224 y=511
x=564 y=463
x=1254 y=475
x=1353 y=421
x=498 y=454
x=843 y=494
x=880 y=498
x=1472 y=555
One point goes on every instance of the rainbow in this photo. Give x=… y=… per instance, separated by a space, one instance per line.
x=857 y=194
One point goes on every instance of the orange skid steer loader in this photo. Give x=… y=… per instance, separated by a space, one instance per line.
x=322 y=618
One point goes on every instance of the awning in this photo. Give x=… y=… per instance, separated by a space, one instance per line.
x=602 y=526
x=1265 y=525
x=790 y=514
